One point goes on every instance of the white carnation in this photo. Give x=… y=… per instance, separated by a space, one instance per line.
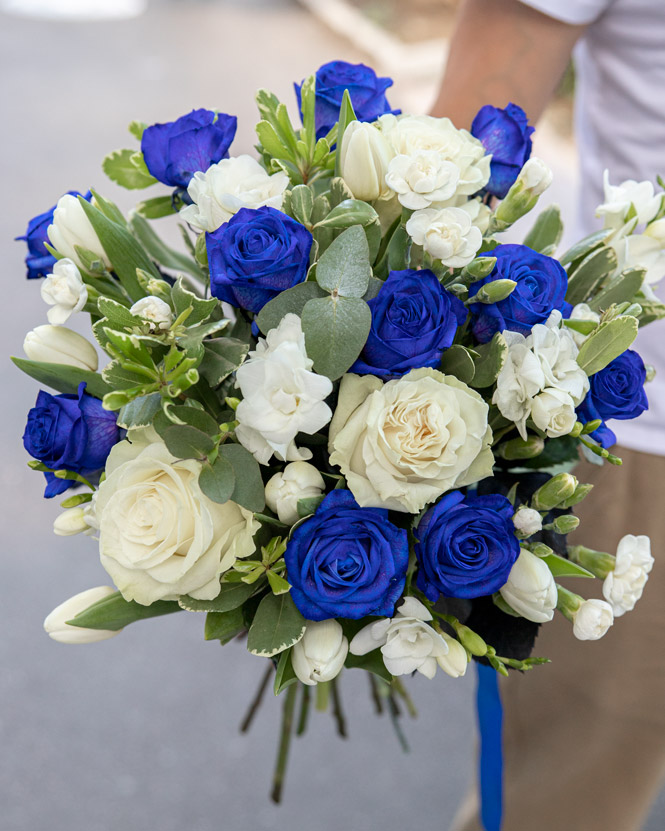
x=592 y=620
x=298 y=480
x=623 y=587
x=447 y=234
x=65 y=291
x=527 y=521
x=422 y=178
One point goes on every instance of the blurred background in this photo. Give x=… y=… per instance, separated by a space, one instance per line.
x=141 y=731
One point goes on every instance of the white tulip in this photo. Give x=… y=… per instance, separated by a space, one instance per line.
x=71 y=227
x=530 y=589
x=298 y=480
x=320 y=654
x=527 y=521
x=623 y=587
x=59 y=345
x=71 y=521
x=619 y=199
x=56 y=623
x=448 y=234
x=65 y=291
x=592 y=620
x=536 y=176
x=155 y=310
x=422 y=179
x=455 y=662
x=363 y=161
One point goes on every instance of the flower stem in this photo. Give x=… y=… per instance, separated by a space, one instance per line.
x=304 y=710
x=401 y=690
x=337 y=709
x=256 y=703
x=376 y=697
x=322 y=696
x=284 y=743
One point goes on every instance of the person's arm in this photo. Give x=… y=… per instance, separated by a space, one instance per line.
x=501 y=51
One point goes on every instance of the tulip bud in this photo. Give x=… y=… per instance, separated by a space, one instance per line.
x=298 y=480
x=493 y=292
x=530 y=589
x=71 y=228
x=56 y=623
x=155 y=311
x=455 y=662
x=522 y=449
x=565 y=524
x=70 y=522
x=320 y=654
x=363 y=161
x=527 y=522
x=554 y=492
x=59 y=345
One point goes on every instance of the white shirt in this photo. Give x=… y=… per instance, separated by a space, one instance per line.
x=620 y=125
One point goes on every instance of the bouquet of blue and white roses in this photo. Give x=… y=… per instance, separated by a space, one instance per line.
x=342 y=418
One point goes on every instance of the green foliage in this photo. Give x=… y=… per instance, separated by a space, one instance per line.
x=585 y=246
x=336 y=329
x=222 y=356
x=217 y=479
x=546 y=232
x=141 y=411
x=285 y=675
x=585 y=277
x=348 y=213
x=346 y=116
x=224 y=626
x=231 y=596
x=186 y=442
x=159 y=251
x=249 y=490
x=606 y=343
x=127 y=169
x=562 y=567
x=458 y=361
x=137 y=128
x=560 y=451
x=114 y=612
x=621 y=289
x=183 y=298
x=372 y=662
x=277 y=625
x=306 y=507
x=490 y=361
x=63 y=378
x=291 y=301
x=156 y=208
x=302 y=204
x=344 y=267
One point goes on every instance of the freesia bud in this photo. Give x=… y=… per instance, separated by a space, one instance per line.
x=59 y=345
x=363 y=162
x=554 y=492
x=530 y=589
x=527 y=521
x=71 y=227
x=592 y=620
x=320 y=654
x=70 y=522
x=298 y=480
x=455 y=662
x=155 y=311
x=56 y=623
x=65 y=291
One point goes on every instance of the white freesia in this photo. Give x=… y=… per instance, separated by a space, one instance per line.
x=409 y=134
x=646 y=250
x=320 y=654
x=448 y=234
x=160 y=536
x=363 y=161
x=536 y=176
x=422 y=179
x=71 y=227
x=298 y=480
x=456 y=661
x=154 y=310
x=225 y=187
x=281 y=395
x=527 y=521
x=620 y=199
x=56 y=623
x=59 y=345
x=402 y=444
x=530 y=588
x=581 y=311
x=623 y=587
x=65 y=291
x=592 y=620
x=407 y=642
x=71 y=521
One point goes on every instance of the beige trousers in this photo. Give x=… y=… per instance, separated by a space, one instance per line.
x=584 y=736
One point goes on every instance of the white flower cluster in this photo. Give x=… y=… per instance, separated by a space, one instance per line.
x=623 y=587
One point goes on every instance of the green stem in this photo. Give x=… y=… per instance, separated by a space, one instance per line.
x=304 y=709
x=401 y=690
x=337 y=709
x=322 y=696
x=256 y=702
x=376 y=697
x=284 y=744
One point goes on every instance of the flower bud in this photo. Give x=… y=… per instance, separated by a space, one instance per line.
x=65 y=291
x=470 y=640
x=71 y=227
x=494 y=292
x=554 y=492
x=70 y=522
x=59 y=345
x=624 y=585
x=455 y=662
x=535 y=177
x=592 y=620
x=155 y=311
x=298 y=480
x=581 y=492
x=320 y=654
x=530 y=589
x=565 y=524
x=522 y=448
x=540 y=549
x=527 y=521
x=363 y=162
x=56 y=623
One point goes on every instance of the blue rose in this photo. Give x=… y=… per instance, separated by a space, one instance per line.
x=615 y=392
x=69 y=432
x=367 y=91
x=175 y=151
x=346 y=561
x=38 y=260
x=466 y=546
x=414 y=319
x=255 y=255
x=506 y=134
x=541 y=287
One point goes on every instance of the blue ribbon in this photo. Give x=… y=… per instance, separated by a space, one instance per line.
x=490 y=723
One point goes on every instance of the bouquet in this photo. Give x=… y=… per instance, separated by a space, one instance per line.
x=341 y=418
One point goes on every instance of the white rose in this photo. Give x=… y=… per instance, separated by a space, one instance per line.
x=581 y=311
x=553 y=411
x=56 y=623
x=59 y=345
x=281 y=395
x=536 y=176
x=160 y=536
x=527 y=521
x=592 y=620
x=456 y=661
x=620 y=198
x=71 y=521
x=65 y=291
x=407 y=642
x=421 y=179
x=402 y=444
x=409 y=134
x=298 y=480
x=447 y=234
x=530 y=588
x=320 y=654
x=363 y=162
x=225 y=187
x=623 y=587
x=155 y=310
x=71 y=227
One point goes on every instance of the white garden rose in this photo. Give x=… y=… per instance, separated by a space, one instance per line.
x=64 y=291
x=422 y=179
x=530 y=589
x=225 y=187
x=71 y=227
x=623 y=587
x=281 y=395
x=619 y=199
x=160 y=536
x=363 y=161
x=155 y=311
x=320 y=654
x=592 y=620
x=402 y=444
x=60 y=345
x=447 y=234
x=56 y=625
x=298 y=480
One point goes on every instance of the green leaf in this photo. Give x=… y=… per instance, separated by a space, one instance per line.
x=492 y=357
x=348 y=213
x=183 y=298
x=606 y=343
x=249 y=490
x=183 y=414
x=185 y=442
x=156 y=208
x=285 y=675
x=119 y=378
x=373 y=288
x=63 y=378
x=506 y=608
x=620 y=290
x=271 y=143
x=372 y=662
x=458 y=361
x=161 y=252
x=546 y=231
x=222 y=356
x=224 y=626
x=374 y=237
x=277 y=625
x=557 y=452
x=137 y=128
x=114 y=612
x=562 y=567
x=119 y=168
x=585 y=246
x=584 y=280
x=339 y=191
x=306 y=507
x=278 y=584
x=344 y=267
x=291 y=301
x=217 y=480
x=118 y=315
x=141 y=411
x=109 y=209
x=336 y=330
x=302 y=204
x=231 y=596
x=346 y=116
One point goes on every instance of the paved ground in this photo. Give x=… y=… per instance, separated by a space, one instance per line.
x=140 y=732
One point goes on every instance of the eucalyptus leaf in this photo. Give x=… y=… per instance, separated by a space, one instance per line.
x=291 y=301
x=120 y=169
x=348 y=213
x=373 y=288
x=336 y=331
x=606 y=343
x=217 y=480
x=185 y=442
x=63 y=377
x=277 y=625
x=547 y=230
x=458 y=361
x=562 y=567
x=224 y=626
x=231 y=596
x=249 y=490
x=141 y=411
x=586 y=278
x=490 y=361
x=344 y=267
x=222 y=356
x=114 y=612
